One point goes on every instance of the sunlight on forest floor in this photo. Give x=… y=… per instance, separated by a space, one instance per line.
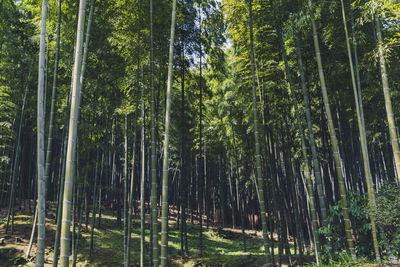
x=221 y=246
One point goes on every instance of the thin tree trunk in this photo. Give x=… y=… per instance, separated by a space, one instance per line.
x=113 y=169
x=46 y=73
x=314 y=154
x=80 y=208
x=41 y=205
x=74 y=258
x=206 y=199
x=363 y=139
x=335 y=146
x=142 y=185
x=126 y=222
x=28 y=252
x=17 y=155
x=73 y=219
x=258 y=172
x=317 y=171
x=232 y=193
x=53 y=100
x=307 y=172
x=200 y=178
x=388 y=102
x=86 y=47
x=72 y=136
x=61 y=196
x=131 y=190
x=183 y=182
x=153 y=199
x=239 y=193
x=164 y=211
x=94 y=206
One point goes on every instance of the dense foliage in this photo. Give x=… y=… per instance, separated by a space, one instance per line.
x=388 y=215
x=309 y=185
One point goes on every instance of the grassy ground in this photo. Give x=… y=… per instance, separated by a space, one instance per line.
x=221 y=247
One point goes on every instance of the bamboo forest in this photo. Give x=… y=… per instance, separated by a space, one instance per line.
x=199 y=133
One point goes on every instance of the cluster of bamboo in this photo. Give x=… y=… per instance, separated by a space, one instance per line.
x=65 y=206
x=355 y=80
x=159 y=253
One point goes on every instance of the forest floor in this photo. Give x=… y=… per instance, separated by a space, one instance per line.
x=221 y=246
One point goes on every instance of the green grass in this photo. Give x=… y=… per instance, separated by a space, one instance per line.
x=221 y=247
x=108 y=246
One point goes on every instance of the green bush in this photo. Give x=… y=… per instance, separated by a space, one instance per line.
x=359 y=211
x=387 y=215
x=334 y=232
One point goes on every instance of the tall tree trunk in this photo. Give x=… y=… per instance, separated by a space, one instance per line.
x=363 y=139
x=126 y=189
x=314 y=154
x=72 y=136
x=53 y=99
x=388 y=102
x=307 y=172
x=153 y=200
x=130 y=204
x=258 y=172
x=142 y=185
x=94 y=205
x=78 y=234
x=317 y=169
x=335 y=146
x=165 y=208
x=17 y=156
x=183 y=186
x=200 y=179
x=86 y=47
x=113 y=168
x=61 y=193
x=79 y=209
x=28 y=251
x=41 y=205
x=232 y=193
x=206 y=196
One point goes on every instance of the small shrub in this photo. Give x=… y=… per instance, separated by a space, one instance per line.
x=334 y=232
x=343 y=259
x=387 y=215
x=18 y=260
